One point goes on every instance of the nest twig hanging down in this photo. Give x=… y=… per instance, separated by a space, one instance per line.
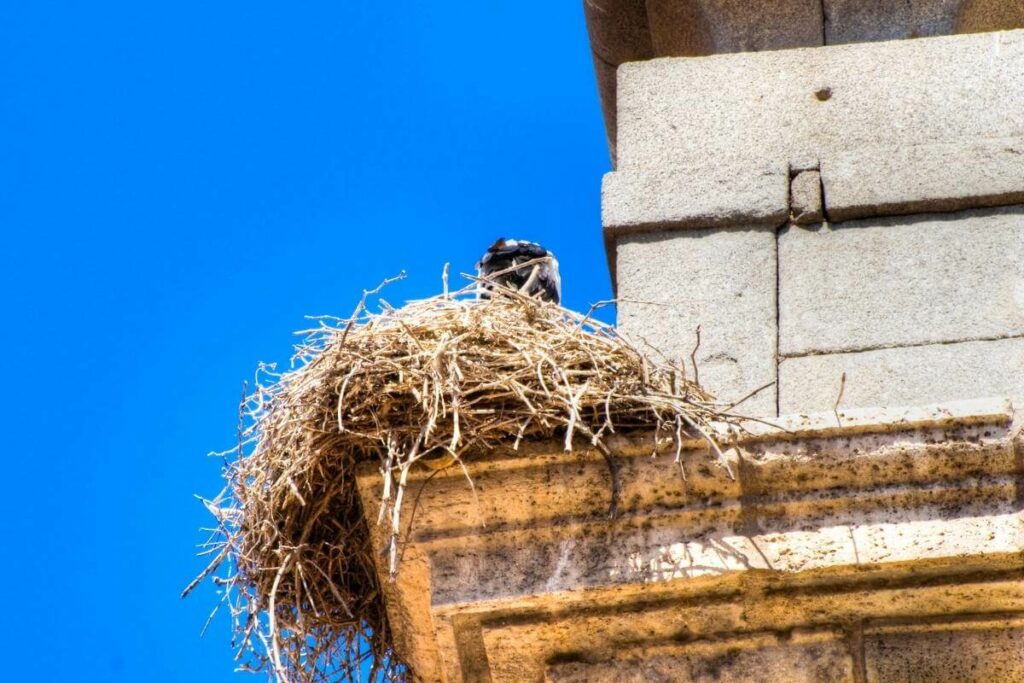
x=442 y=378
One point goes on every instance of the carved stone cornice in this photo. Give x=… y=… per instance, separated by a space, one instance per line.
x=836 y=528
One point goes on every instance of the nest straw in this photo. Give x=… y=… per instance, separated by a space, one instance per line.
x=438 y=380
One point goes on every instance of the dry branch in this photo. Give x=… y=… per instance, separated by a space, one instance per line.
x=436 y=381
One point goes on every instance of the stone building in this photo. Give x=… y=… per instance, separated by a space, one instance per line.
x=833 y=190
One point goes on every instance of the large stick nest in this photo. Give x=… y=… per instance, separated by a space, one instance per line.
x=439 y=380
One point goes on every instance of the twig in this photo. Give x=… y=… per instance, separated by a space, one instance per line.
x=839 y=398
x=361 y=306
x=753 y=393
x=594 y=307
x=693 y=358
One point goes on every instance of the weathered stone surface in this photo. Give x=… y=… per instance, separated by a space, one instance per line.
x=790 y=104
x=922 y=179
x=698 y=197
x=903 y=376
x=513 y=648
x=606 y=88
x=900 y=281
x=893 y=513
x=802 y=658
x=723 y=281
x=857 y=21
x=618 y=30
x=630 y=30
x=989 y=15
x=958 y=652
x=805 y=198
x=702 y=27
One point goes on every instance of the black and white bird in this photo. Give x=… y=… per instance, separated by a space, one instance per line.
x=539 y=278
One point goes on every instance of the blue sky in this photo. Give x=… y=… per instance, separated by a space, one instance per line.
x=179 y=184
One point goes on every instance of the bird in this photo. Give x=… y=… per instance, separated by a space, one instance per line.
x=498 y=266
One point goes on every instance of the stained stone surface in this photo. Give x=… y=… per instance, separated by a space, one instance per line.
x=857 y=21
x=966 y=652
x=702 y=27
x=821 y=660
x=863 y=541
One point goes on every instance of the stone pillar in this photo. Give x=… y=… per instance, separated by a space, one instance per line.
x=842 y=211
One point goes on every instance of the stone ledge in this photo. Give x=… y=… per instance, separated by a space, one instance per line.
x=936 y=650
x=696 y=197
x=966 y=650
x=802 y=657
x=868 y=515
x=690 y=198
x=923 y=179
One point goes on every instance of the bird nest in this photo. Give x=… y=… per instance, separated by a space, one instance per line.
x=445 y=378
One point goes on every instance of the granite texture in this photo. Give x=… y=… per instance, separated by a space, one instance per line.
x=901 y=281
x=702 y=27
x=771 y=107
x=923 y=178
x=858 y=21
x=723 y=281
x=905 y=376
x=695 y=197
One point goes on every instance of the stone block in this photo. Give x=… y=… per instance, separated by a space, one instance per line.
x=958 y=652
x=823 y=659
x=922 y=179
x=805 y=103
x=902 y=281
x=701 y=27
x=722 y=280
x=857 y=21
x=907 y=376
x=989 y=15
x=618 y=31
x=695 y=198
x=805 y=205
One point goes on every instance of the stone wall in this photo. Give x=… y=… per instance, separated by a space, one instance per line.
x=853 y=211
x=624 y=31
